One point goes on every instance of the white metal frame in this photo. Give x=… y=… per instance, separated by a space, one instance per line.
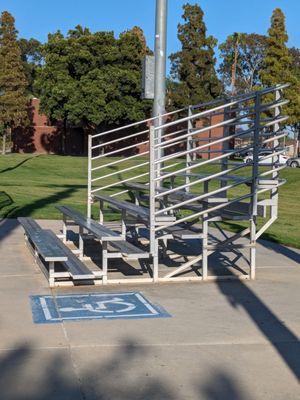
x=260 y=113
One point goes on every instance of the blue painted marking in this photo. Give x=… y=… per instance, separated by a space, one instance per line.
x=78 y=307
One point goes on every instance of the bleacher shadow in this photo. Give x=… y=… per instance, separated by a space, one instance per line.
x=123 y=374
x=284 y=341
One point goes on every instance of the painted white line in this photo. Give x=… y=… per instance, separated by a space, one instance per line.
x=146 y=304
x=45 y=308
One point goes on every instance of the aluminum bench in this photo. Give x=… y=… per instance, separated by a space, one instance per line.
x=114 y=245
x=48 y=250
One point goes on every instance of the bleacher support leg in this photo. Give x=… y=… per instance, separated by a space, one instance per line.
x=51 y=274
x=253 y=248
x=204 y=247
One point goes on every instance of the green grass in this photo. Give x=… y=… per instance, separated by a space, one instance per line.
x=32 y=186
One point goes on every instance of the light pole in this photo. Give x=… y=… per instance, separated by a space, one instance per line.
x=160 y=58
x=160 y=69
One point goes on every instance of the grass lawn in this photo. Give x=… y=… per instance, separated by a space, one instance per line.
x=33 y=185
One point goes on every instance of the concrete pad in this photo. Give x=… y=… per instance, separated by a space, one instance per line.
x=231 y=372
x=37 y=375
x=225 y=340
x=198 y=312
x=16 y=324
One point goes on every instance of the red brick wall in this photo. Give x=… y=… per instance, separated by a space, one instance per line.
x=42 y=137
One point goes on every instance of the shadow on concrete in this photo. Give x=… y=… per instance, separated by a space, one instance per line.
x=222 y=387
x=47 y=375
x=280 y=249
x=284 y=341
x=26 y=373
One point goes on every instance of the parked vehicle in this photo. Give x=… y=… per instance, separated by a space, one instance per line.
x=293 y=162
x=268 y=160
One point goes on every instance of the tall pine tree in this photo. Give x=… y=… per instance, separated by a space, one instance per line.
x=13 y=82
x=278 y=65
x=193 y=68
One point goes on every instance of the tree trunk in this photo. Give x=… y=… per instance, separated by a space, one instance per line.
x=63 y=137
x=4 y=143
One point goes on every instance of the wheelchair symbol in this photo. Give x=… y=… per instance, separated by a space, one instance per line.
x=103 y=306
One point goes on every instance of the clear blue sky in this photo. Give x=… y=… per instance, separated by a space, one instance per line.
x=36 y=18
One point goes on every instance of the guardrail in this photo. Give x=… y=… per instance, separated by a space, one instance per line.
x=183 y=146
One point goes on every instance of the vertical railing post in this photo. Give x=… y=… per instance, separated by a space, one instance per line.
x=152 y=185
x=89 y=194
x=255 y=165
x=275 y=175
x=225 y=148
x=189 y=147
x=254 y=187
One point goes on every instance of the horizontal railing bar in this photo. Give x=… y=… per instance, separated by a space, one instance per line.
x=173 y=133
x=226 y=138
x=138 y=123
x=119 y=150
x=203 y=146
x=121 y=171
x=198 y=181
x=271 y=139
x=206 y=211
x=194 y=116
x=260 y=191
x=223 y=106
x=119 y=193
x=199 y=164
x=120 y=139
x=263 y=107
x=271 y=171
x=271 y=155
x=120 y=161
x=119 y=182
x=201 y=130
x=202 y=196
x=137 y=176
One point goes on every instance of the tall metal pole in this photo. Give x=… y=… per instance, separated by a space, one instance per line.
x=160 y=69
x=160 y=58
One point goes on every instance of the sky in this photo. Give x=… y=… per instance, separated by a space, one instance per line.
x=36 y=18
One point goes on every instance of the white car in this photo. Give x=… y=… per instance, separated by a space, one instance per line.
x=266 y=161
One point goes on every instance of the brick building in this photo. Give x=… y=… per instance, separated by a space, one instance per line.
x=42 y=137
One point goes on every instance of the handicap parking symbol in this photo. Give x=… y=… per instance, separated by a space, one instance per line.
x=74 y=307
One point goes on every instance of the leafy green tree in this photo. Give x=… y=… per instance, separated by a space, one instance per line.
x=93 y=80
x=193 y=68
x=13 y=101
x=278 y=65
x=243 y=58
x=295 y=57
x=32 y=59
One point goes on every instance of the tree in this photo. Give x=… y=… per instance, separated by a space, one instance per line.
x=242 y=61
x=278 y=66
x=93 y=80
x=32 y=60
x=295 y=57
x=13 y=101
x=193 y=68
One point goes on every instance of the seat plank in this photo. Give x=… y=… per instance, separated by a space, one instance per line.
x=184 y=232
x=100 y=231
x=44 y=243
x=130 y=208
x=74 y=266
x=128 y=249
x=179 y=195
